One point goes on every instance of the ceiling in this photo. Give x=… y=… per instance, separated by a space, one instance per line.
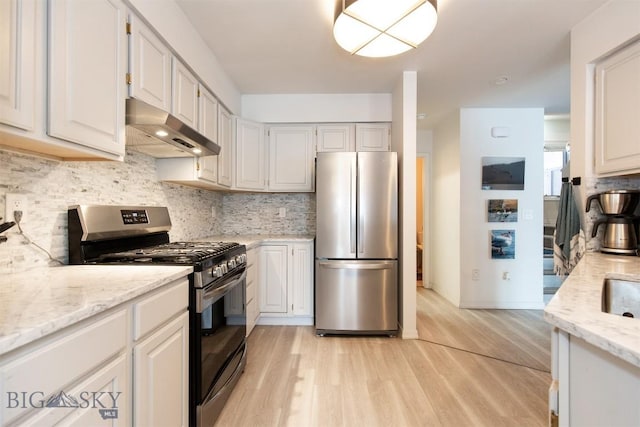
x=287 y=46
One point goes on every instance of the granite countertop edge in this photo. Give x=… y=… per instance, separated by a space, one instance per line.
x=576 y=306
x=39 y=302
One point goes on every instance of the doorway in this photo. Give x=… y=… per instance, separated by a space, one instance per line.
x=422 y=220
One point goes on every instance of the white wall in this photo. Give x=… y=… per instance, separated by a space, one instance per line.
x=403 y=141
x=460 y=233
x=172 y=24
x=317 y=108
x=526 y=135
x=444 y=238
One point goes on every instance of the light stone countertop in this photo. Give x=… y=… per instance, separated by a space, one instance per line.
x=252 y=240
x=38 y=302
x=576 y=307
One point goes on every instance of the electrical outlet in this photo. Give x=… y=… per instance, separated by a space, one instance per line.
x=282 y=212
x=506 y=275
x=475 y=274
x=15 y=202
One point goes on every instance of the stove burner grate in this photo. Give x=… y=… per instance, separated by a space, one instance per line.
x=175 y=252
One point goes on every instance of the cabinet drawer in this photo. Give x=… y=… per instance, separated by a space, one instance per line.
x=160 y=307
x=111 y=380
x=55 y=367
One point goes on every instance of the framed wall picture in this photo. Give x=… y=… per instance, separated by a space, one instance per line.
x=503 y=244
x=503 y=173
x=502 y=210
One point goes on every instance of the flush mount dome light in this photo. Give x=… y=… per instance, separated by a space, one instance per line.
x=379 y=28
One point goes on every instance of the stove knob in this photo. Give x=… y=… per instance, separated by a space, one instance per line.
x=216 y=272
x=241 y=259
x=232 y=264
x=224 y=268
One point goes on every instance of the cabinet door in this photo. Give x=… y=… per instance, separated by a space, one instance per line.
x=208 y=126
x=250 y=156
x=291 y=158
x=272 y=292
x=617 y=124
x=184 y=99
x=161 y=373
x=17 y=63
x=87 y=69
x=338 y=137
x=149 y=67
x=301 y=279
x=225 y=157
x=373 y=136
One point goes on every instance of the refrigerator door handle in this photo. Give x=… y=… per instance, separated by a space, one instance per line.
x=360 y=217
x=352 y=213
x=368 y=266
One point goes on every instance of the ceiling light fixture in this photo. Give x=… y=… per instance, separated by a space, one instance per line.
x=379 y=28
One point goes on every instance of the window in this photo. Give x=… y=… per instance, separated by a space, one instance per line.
x=555 y=159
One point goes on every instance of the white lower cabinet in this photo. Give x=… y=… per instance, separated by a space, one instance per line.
x=591 y=387
x=51 y=373
x=251 y=294
x=285 y=293
x=126 y=366
x=161 y=372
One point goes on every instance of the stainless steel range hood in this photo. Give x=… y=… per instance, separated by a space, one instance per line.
x=157 y=133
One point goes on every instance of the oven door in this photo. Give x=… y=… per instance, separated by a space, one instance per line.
x=218 y=346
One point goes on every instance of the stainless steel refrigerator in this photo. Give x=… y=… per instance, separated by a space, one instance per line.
x=356 y=266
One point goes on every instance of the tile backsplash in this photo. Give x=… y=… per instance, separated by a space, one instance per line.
x=51 y=186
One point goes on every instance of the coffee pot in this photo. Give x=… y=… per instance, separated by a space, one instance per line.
x=621 y=226
x=620 y=234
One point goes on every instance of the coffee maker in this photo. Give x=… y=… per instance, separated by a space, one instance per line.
x=621 y=225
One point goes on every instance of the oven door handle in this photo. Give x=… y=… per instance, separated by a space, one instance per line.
x=205 y=298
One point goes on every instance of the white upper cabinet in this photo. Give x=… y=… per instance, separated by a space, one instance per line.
x=17 y=63
x=149 y=66
x=291 y=158
x=249 y=156
x=208 y=126
x=373 y=136
x=336 y=137
x=184 y=100
x=617 y=126
x=208 y=114
x=225 y=138
x=87 y=69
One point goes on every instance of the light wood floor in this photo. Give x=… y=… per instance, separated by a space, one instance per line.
x=294 y=378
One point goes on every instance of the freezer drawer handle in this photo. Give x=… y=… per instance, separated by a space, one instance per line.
x=377 y=266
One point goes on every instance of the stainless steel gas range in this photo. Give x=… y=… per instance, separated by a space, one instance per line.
x=140 y=235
